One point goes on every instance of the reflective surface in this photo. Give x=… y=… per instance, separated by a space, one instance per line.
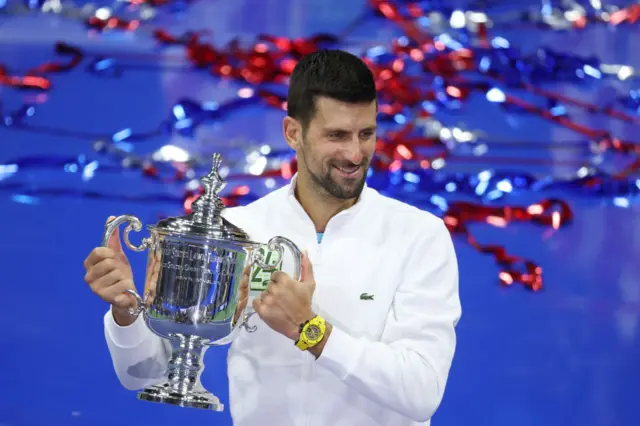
x=183 y=386
x=194 y=290
x=191 y=299
x=205 y=219
x=565 y=356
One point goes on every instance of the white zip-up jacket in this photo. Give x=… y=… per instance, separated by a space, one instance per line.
x=388 y=357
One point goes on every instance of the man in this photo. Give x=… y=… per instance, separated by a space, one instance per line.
x=379 y=280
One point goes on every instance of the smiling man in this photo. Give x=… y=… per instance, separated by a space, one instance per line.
x=367 y=336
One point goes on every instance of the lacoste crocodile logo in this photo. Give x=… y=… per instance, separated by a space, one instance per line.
x=366 y=296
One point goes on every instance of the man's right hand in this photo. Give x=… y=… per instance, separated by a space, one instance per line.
x=109 y=275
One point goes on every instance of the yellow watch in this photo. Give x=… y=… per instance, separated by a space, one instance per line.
x=311 y=333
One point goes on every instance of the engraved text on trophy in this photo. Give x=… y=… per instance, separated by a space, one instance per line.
x=194 y=284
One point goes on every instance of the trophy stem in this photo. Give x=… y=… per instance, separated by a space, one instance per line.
x=183 y=386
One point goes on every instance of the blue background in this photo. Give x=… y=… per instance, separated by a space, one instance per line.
x=565 y=356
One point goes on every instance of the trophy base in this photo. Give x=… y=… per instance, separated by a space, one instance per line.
x=193 y=399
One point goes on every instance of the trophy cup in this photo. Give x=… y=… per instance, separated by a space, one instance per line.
x=194 y=270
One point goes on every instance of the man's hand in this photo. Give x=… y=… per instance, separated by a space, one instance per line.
x=109 y=275
x=286 y=303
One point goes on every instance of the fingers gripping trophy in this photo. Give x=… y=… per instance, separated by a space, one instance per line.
x=192 y=289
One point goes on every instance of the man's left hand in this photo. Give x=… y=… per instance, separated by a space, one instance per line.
x=286 y=303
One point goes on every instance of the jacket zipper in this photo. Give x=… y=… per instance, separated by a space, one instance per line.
x=309 y=394
x=308 y=372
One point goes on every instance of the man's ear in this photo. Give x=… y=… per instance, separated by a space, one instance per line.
x=292 y=131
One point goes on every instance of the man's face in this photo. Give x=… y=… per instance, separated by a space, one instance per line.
x=338 y=146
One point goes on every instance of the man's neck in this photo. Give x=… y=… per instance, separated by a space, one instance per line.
x=319 y=207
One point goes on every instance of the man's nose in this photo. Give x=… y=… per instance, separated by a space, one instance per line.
x=354 y=151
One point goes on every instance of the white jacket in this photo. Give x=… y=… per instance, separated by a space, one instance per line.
x=386 y=361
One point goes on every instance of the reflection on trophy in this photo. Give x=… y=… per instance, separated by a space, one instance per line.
x=193 y=275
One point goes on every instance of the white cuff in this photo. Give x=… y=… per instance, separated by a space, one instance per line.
x=126 y=337
x=341 y=353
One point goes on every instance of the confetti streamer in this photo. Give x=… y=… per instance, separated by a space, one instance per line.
x=445 y=57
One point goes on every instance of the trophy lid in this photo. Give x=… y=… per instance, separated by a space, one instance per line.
x=205 y=219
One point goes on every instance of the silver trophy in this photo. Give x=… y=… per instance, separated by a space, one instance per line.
x=193 y=275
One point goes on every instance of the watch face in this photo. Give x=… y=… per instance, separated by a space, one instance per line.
x=312 y=332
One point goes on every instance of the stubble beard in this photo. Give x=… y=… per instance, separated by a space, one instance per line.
x=333 y=189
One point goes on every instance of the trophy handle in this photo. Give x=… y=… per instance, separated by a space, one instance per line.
x=141 y=304
x=276 y=244
x=134 y=225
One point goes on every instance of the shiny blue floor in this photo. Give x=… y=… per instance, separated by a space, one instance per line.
x=567 y=355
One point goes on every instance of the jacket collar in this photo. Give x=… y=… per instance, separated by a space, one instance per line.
x=347 y=213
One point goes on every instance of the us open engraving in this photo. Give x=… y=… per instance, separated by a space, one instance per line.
x=186 y=255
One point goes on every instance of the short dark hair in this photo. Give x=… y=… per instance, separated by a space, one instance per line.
x=335 y=74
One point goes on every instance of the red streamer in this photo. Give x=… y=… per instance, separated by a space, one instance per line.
x=112 y=23
x=33 y=78
x=551 y=212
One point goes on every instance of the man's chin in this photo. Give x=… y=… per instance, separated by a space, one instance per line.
x=347 y=189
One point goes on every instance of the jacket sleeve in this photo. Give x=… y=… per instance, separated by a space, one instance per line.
x=407 y=369
x=140 y=357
